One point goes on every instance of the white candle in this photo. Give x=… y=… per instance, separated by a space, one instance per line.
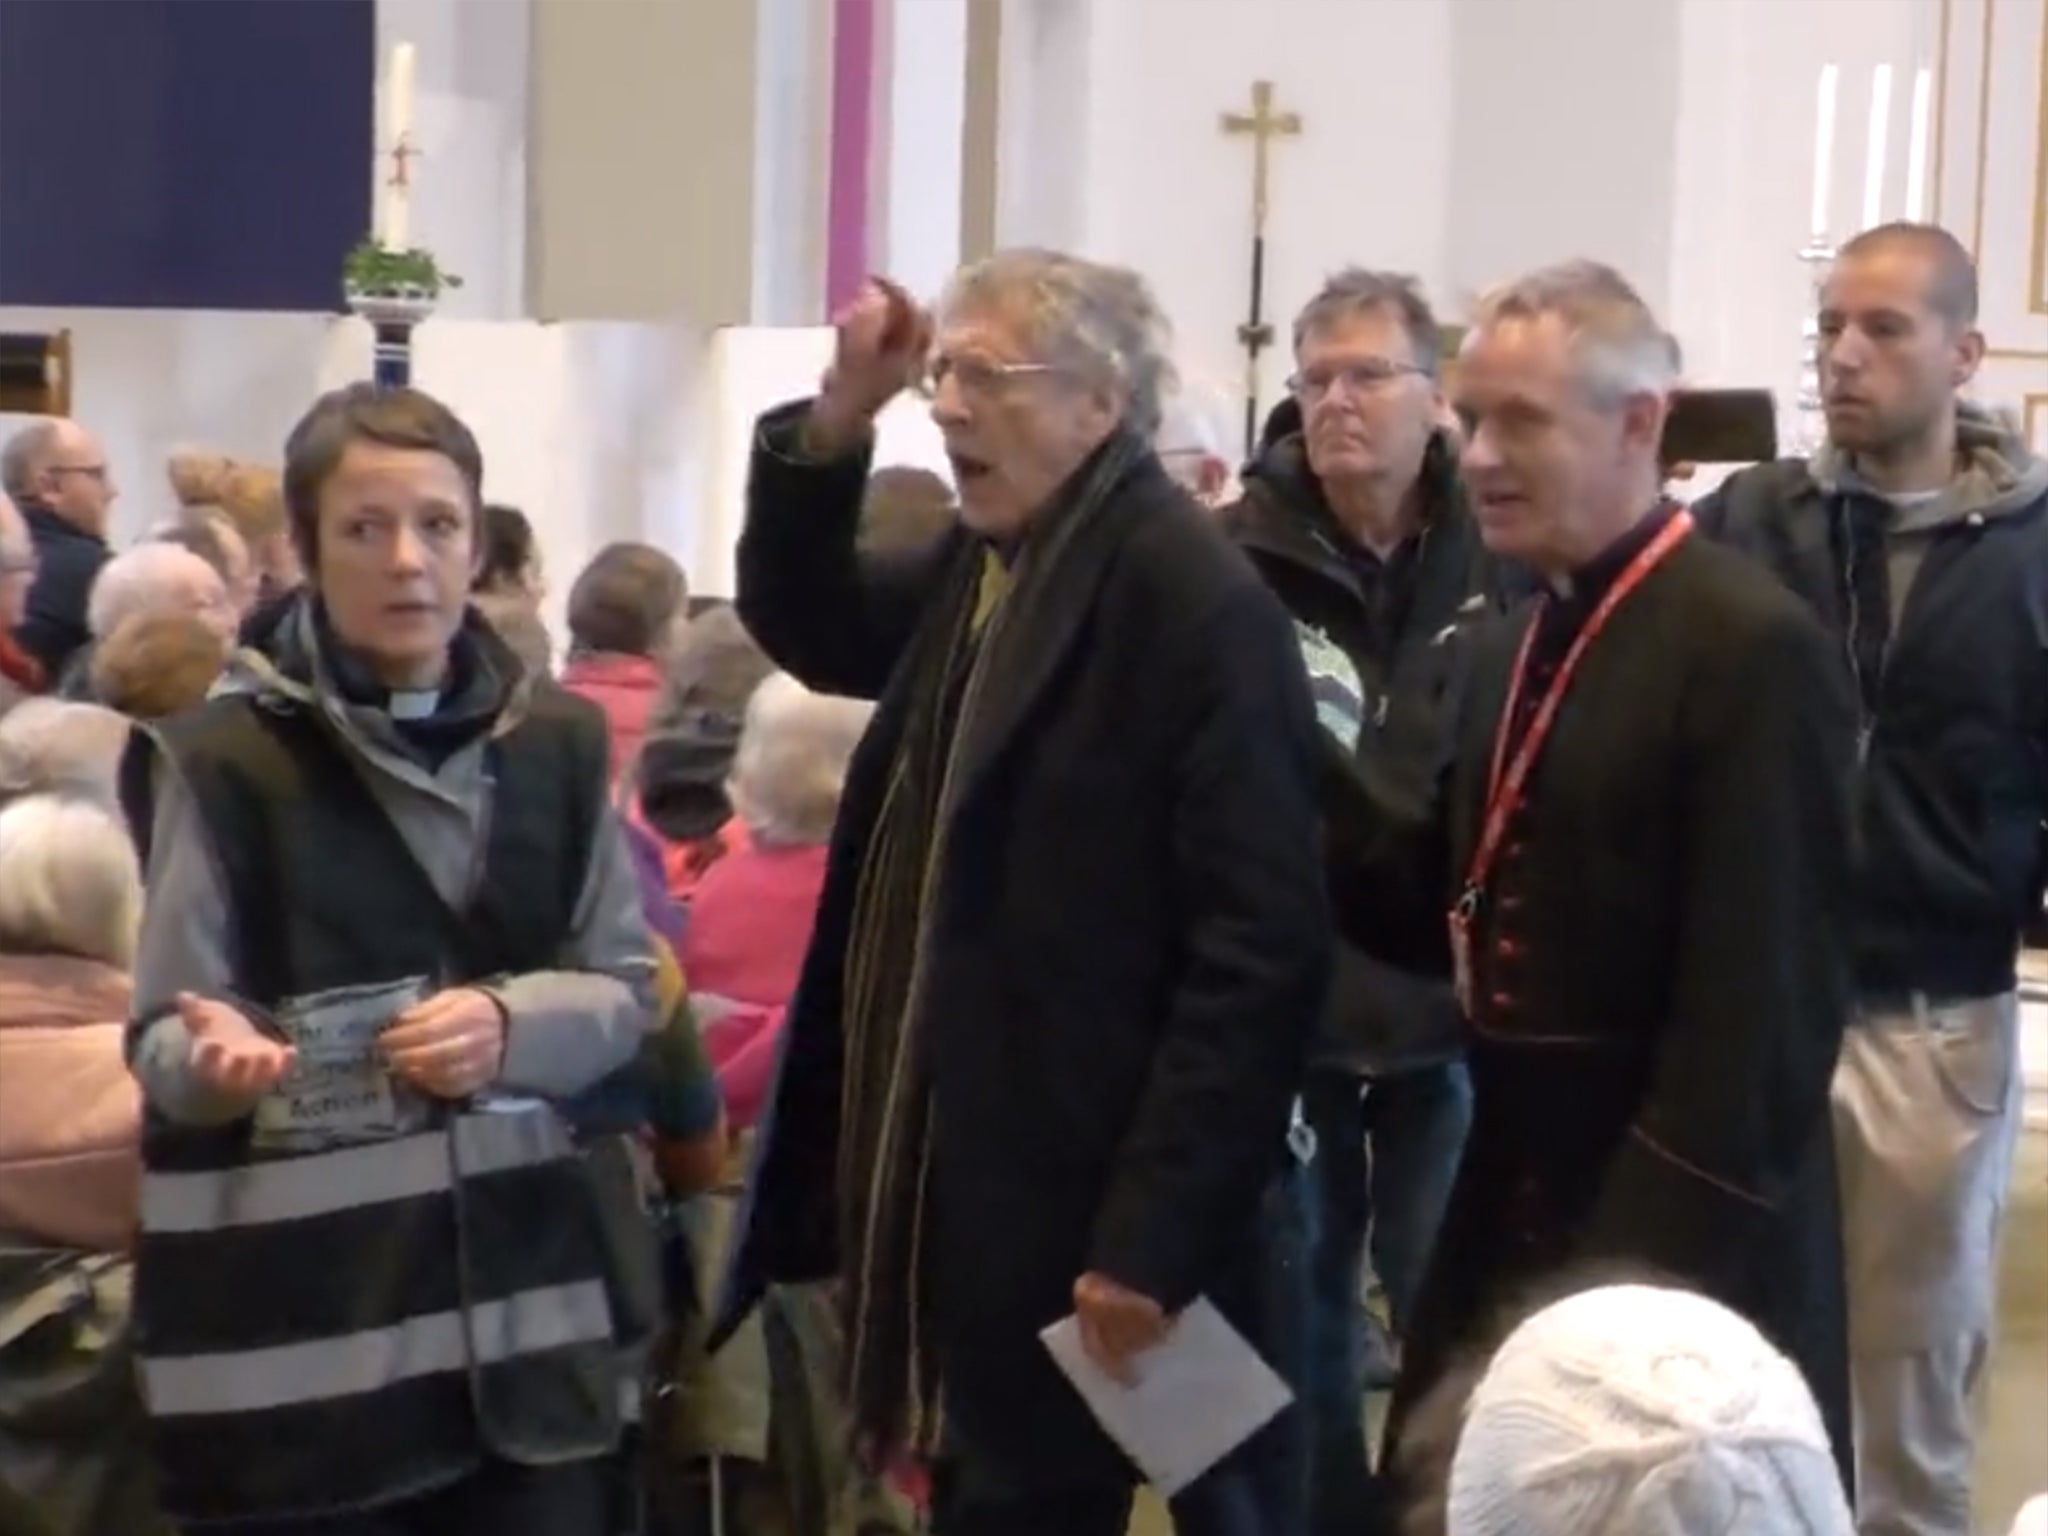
x=396 y=193
x=1875 y=164
x=1824 y=148
x=1917 y=146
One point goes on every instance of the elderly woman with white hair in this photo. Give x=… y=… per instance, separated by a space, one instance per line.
x=751 y=919
x=1073 y=937
x=54 y=746
x=70 y=1114
x=151 y=579
x=72 y=1438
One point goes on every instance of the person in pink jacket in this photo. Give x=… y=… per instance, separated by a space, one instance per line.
x=751 y=918
x=70 y=1113
x=623 y=611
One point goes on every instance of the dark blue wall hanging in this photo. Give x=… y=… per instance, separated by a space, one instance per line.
x=184 y=154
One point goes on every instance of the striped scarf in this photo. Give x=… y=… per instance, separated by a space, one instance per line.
x=965 y=655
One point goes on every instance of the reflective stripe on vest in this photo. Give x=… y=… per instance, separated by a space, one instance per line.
x=493 y=1331
x=520 y=1135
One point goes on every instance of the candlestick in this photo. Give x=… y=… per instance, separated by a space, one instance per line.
x=1917 y=148
x=395 y=203
x=1809 y=421
x=1874 y=165
x=1824 y=149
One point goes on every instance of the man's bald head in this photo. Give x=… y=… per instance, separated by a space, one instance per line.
x=58 y=464
x=1950 y=273
x=22 y=460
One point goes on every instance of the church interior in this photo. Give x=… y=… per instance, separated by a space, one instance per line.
x=610 y=236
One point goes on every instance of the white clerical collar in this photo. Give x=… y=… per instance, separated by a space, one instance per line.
x=413 y=703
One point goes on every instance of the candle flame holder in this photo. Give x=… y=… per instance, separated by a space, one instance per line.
x=393 y=317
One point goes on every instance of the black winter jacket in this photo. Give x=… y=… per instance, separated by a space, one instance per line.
x=1941 y=608
x=1378 y=640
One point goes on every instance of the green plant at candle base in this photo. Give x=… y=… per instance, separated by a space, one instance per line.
x=373 y=269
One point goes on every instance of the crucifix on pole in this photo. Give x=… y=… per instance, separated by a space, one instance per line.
x=402 y=157
x=1264 y=125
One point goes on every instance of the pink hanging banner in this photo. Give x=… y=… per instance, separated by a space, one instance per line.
x=855 y=38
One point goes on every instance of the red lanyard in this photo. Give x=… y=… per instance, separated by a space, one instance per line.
x=1508 y=779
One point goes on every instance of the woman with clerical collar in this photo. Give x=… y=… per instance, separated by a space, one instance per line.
x=392 y=940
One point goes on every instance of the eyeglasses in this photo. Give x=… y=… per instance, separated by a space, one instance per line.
x=1360 y=378
x=975 y=375
x=90 y=471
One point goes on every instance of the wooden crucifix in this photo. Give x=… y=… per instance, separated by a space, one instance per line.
x=1264 y=125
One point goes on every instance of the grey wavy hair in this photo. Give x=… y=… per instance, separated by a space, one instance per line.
x=792 y=759
x=1362 y=291
x=1098 y=322
x=1619 y=347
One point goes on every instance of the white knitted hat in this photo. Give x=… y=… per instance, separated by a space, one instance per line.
x=1637 y=1411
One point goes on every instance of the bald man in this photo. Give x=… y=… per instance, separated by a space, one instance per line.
x=56 y=473
x=1918 y=533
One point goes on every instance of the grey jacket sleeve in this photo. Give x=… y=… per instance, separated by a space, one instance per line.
x=572 y=1025
x=183 y=948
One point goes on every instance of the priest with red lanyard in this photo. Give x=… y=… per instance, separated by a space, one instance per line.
x=1638 y=859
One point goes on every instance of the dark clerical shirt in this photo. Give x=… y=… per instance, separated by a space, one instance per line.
x=1562 y=614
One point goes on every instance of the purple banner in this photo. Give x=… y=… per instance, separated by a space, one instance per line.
x=855 y=36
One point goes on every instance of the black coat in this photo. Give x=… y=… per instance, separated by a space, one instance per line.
x=1954 y=788
x=1657 y=1096
x=1130 y=949
x=1394 y=621
x=68 y=561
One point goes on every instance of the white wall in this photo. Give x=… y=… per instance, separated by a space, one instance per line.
x=1744 y=165
x=1112 y=129
x=1994 y=186
x=921 y=114
x=1463 y=140
x=792 y=147
x=1557 y=152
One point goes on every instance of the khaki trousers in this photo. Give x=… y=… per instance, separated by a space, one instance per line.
x=1927 y=1113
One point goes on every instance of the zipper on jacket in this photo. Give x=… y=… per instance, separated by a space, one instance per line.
x=1867 y=697
x=480 y=850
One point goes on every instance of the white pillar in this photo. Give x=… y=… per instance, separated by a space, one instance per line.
x=1042 y=151
x=925 y=109
x=792 y=150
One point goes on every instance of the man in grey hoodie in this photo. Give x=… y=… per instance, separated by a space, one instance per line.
x=1919 y=533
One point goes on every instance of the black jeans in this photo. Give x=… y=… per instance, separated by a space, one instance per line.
x=1392 y=1196
x=1228 y=1501
x=579 y=1498
x=1259 y=1489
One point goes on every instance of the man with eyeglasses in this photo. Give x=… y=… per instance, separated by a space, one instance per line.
x=1354 y=515
x=56 y=473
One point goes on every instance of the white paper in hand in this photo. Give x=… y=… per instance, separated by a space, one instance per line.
x=1199 y=1395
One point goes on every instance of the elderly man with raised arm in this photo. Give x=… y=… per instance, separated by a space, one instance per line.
x=1073 y=935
